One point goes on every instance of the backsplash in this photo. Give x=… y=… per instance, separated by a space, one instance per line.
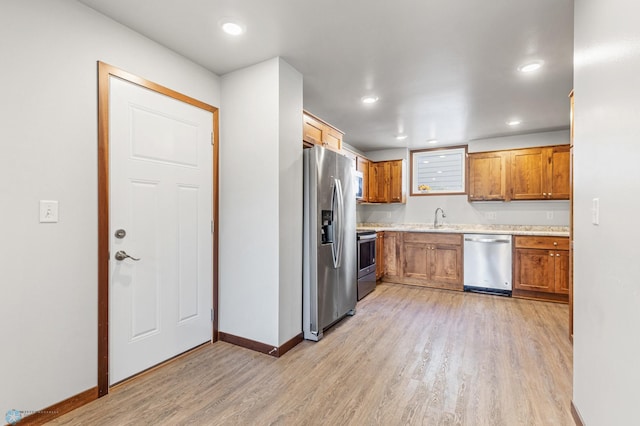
x=458 y=210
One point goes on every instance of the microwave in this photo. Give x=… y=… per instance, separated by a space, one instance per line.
x=358 y=183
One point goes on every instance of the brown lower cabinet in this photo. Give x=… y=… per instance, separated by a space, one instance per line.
x=425 y=259
x=379 y=255
x=541 y=268
x=390 y=257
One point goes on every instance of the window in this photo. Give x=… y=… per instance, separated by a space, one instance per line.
x=438 y=171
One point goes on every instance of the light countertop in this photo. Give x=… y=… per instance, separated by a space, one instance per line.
x=538 y=230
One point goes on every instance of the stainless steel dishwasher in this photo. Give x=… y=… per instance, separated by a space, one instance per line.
x=487 y=263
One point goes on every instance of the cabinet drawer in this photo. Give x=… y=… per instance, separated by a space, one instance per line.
x=551 y=243
x=433 y=238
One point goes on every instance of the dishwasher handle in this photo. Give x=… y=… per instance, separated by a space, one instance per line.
x=362 y=237
x=487 y=240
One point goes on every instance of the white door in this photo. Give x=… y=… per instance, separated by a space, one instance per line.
x=161 y=200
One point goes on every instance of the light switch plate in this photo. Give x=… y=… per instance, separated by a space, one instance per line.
x=48 y=211
x=595 y=211
x=549 y=215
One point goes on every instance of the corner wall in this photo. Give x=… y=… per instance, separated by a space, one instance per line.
x=290 y=208
x=260 y=189
x=48 y=129
x=606 y=152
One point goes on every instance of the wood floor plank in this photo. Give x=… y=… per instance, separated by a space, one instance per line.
x=410 y=355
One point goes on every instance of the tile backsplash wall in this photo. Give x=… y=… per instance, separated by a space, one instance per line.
x=459 y=211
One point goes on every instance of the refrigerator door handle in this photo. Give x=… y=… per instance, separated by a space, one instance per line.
x=340 y=222
x=334 y=214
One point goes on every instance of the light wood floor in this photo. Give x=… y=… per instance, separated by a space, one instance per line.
x=410 y=355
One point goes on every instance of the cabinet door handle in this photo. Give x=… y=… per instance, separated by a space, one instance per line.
x=557 y=254
x=550 y=254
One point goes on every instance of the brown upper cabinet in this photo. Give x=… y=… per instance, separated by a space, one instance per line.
x=378 y=181
x=318 y=132
x=488 y=176
x=387 y=182
x=362 y=165
x=541 y=173
x=559 y=173
x=397 y=187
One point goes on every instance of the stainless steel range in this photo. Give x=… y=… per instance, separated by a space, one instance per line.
x=366 y=262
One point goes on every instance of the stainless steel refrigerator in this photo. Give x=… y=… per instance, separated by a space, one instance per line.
x=329 y=250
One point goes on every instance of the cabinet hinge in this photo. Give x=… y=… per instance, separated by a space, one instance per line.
x=212 y=138
x=212 y=315
x=212 y=227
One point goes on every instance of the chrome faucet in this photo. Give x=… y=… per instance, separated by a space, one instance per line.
x=435 y=219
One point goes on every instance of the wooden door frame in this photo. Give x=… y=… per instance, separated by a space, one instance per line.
x=105 y=71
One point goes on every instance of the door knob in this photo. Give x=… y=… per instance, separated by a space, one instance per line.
x=122 y=255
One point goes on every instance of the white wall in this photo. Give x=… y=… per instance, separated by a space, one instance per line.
x=261 y=180
x=521 y=141
x=606 y=152
x=290 y=208
x=48 y=150
x=420 y=209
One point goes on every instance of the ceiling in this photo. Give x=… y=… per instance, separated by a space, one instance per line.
x=442 y=69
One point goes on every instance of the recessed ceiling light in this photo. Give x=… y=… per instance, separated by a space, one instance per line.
x=401 y=137
x=530 y=67
x=443 y=156
x=513 y=122
x=369 y=99
x=232 y=28
x=432 y=141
